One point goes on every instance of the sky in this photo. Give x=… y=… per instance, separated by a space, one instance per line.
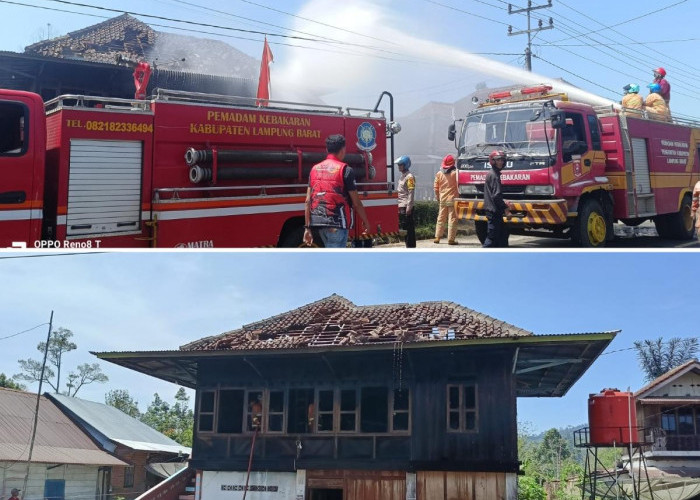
x=133 y=301
x=419 y=50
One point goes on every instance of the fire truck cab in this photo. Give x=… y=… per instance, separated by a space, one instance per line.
x=574 y=169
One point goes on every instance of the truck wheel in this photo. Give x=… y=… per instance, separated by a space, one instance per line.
x=590 y=228
x=678 y=226
x=293 y=238
x=480 y=227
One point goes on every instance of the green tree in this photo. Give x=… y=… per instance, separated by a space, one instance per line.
x=530 y=489
x=174 y=421
x=551 y=455
x=60 y=343
x=656 y=357
x=122 y=400
x=8 y=383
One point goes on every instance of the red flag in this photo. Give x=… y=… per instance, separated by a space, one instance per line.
x=264 y=81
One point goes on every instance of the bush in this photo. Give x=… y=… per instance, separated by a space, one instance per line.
x=426 y=213
x=528 y=489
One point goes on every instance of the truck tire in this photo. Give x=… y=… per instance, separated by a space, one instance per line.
x=590 y=227
x=677 y=226
x=480 y=227
x=293 y=238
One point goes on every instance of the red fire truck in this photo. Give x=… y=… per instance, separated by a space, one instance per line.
x=176 y=170
x=573 y=169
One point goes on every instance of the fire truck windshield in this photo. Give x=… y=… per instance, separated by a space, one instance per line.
x=520 y=132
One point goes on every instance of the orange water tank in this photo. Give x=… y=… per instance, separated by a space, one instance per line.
x=612 y=418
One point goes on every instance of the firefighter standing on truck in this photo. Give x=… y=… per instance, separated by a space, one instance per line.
x=331 y=196
x=405 y=191
x=446 y=190
x=494 y=204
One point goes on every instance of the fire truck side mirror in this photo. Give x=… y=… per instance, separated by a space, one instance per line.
x=557 y=118
x=451 y=132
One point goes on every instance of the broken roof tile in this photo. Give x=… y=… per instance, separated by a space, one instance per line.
x=335 y=321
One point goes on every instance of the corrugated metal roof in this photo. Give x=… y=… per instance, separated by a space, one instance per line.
x=117 y=426
x=58 y=440
x=335 y=321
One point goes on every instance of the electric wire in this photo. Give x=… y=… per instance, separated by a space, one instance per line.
x=23 y=331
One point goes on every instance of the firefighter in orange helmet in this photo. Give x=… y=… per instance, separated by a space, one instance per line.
x=632 y=101
x=655 y=105
x=446 y=191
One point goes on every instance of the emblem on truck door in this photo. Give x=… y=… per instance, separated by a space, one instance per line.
x=366 y=137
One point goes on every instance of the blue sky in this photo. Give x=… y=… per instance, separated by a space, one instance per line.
x=137 y=301
x=416 y=45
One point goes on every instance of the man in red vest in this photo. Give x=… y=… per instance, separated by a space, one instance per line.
x=331 y=196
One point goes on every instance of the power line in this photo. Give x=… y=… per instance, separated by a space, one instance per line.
x=33 y=256
x=23 y=331
x=627 y=21
x=466 y=12
x=313 y=21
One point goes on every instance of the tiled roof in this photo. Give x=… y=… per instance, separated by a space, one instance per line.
x=335 y=321
x=125 y=40
x=58 y=440
x=692 y=364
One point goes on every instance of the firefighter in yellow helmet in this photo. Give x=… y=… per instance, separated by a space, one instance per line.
x=632 y=101
x=446 y=191
x=656 y=105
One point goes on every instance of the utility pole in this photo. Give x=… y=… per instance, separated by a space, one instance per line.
x=530 y=31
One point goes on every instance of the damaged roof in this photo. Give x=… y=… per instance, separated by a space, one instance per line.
x=124 y=40
x=335 y=321
x=544 y=365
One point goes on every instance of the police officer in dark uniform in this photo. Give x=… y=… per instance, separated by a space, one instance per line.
x=494 y=204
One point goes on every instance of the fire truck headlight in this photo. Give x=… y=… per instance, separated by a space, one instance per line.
x=539 y=190
x=393 y=127
x=468 y=189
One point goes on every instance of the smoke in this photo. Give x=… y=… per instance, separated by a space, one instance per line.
x=351 y=71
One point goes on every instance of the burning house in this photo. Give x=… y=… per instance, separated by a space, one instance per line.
x=392 y=402
x=99 y=60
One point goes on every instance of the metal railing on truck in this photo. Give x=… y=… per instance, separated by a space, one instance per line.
x=611 y=110
x=262 y=189
x=71 y=101
x=181 y=96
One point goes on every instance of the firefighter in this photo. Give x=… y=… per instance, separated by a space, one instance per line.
x=665 y=87
x=632 y=101
x=696 y=206
x=406 y=192
x=330 y=198
x=655 y=105
x=446 y=191
x=494 y=204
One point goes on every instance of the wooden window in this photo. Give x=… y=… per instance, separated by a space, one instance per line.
x=129 y=477
x=348 y=410
x=254 y=410
x=324 y=411
x=275 y=412
x=230 y=411
x=300 y=406
x=400 y=414
x=668 y=420
x=374 y=409
x=462 y=411
x=206 y=411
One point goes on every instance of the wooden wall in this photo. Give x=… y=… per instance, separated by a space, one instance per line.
x=441 y=485
x=360 y=484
